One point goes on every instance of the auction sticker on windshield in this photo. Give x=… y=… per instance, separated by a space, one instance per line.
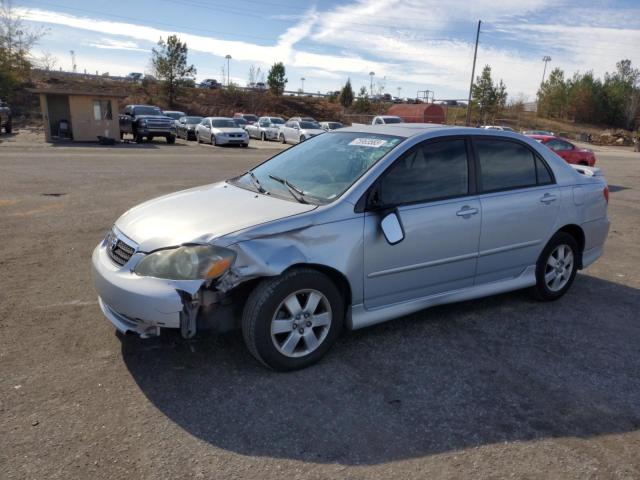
x=368 y=142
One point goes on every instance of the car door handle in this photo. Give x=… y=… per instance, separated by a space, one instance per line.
x=547 y=198
x=466 y=211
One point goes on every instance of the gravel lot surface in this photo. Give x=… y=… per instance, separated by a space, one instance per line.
x=494 y=388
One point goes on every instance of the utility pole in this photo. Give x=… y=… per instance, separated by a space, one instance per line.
x=473 y=72
x=545 y=59
x=371 y=74
x=228 y=57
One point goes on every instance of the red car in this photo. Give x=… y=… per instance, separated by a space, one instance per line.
x=567 y=150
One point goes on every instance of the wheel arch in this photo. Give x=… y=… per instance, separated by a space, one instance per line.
x=336 y=276
x=578 y=234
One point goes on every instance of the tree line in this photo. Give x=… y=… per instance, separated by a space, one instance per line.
x=612 y=101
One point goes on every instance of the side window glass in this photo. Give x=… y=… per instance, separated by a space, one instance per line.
x=427 y=172
x=543 y=173
x=504 y=165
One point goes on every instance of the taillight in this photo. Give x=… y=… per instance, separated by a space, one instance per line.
x=605 y=192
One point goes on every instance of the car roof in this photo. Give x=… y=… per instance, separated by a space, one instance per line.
x=405 y=130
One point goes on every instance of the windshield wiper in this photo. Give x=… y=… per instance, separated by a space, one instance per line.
x=296 y=192
x=256 y=182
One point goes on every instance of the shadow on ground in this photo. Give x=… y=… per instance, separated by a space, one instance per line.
x=500 y=369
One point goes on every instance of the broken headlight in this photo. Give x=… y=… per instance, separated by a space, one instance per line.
x=196 y=262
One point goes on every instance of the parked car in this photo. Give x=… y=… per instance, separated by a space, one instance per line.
x=187 y=127
x=240 y=122
x=5 y=117
x=498 y=127
x=248 y=117
x=210 y=83
x=295 y=131
x=266 y=128
x=326 y=126
x=146 y=121
x=221 y=131
x=349 y=229
x=386 y=119
x=176 y=115
x=135 y=76
x=567 y=150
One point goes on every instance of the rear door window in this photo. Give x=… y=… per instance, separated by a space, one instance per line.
x=504 y=165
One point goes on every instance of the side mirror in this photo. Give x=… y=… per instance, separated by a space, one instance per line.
x=392 y=228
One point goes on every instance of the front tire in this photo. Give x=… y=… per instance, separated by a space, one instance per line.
x=282 y=140
x=556 y=268
x=171 y=139
x=263 y=137
x=214 y=141
x=290 y=321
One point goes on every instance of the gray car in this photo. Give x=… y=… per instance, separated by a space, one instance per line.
x=348 y=229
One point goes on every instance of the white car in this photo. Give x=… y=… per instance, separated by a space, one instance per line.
x=295 y=131
x=266 y=128
x=221 y=131
x=498 y=127
x=386 y=119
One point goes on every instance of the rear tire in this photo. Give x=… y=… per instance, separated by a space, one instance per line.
x=290 y=321
x=138 y=138
x=171 y=139
x=8 y=128
x=556 y=268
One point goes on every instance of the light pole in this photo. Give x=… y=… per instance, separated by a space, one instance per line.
x=302 y=79
x=228 y=57
x=545 y=59
x=399 y=90
x=371 y=75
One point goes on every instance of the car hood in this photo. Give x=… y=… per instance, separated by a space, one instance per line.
x=229 y=130
x=202 y=214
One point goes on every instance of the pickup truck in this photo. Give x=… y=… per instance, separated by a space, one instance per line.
x=146 y=121
x=5 y=117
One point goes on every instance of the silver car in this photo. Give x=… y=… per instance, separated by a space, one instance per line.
x=352 y=228
x=221 y=131
x=296 y=131
x=266 y=128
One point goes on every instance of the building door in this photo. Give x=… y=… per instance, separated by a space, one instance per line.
x=59 y=116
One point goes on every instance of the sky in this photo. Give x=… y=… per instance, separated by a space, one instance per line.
x=410 y=45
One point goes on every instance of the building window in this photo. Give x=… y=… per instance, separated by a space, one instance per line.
x=102 y=110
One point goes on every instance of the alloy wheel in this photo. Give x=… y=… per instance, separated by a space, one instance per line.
x=559 y=268
x=301 y=323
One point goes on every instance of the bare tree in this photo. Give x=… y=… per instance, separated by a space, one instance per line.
x=15 y=37
x=255 y=75
x=46 y=61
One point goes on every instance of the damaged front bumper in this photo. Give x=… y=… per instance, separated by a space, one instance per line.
x=144 y=305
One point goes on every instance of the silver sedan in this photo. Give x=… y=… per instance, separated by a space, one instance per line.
x=266 y=128
x=348 y=229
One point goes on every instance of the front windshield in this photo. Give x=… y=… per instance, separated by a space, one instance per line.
x=277 y=121
x=323 y=167
x=174 y=115
x=193 y=120
x=309 y=125
x=224 y=123
x=250 y=118
x=392 y=120
x=147 y=111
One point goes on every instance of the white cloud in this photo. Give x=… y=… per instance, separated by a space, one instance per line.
x=113 y=44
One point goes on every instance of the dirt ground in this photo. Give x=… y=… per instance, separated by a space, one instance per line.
x=502 y=387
